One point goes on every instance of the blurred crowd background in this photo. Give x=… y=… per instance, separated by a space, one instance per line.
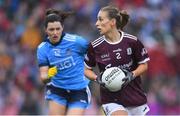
x=154 y=22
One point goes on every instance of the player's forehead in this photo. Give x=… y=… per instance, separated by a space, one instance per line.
x=54 y=24
x=102 y=14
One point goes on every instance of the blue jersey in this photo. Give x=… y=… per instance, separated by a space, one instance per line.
x=68 y=57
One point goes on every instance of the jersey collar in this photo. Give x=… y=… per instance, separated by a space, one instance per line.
x=121 y=37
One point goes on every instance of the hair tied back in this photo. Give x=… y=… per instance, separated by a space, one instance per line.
x=51 y=14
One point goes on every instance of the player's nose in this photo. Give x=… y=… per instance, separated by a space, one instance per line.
x=97 y=23
x=55 y=31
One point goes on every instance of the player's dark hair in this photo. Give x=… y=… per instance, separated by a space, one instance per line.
x=121 y=17
x=53 y=15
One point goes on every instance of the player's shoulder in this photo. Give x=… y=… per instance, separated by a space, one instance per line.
x=130 y=37
x=42 y=45
x=72 y=37
x=76 y=39
x=98 y=41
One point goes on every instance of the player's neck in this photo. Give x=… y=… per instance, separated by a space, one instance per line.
x=113 y=36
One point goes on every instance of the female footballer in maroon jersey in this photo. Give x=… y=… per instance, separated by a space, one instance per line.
x=116 y=48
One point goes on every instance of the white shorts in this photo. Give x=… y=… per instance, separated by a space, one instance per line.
x=112 y=107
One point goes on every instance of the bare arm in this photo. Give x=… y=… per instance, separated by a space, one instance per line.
x=90 y=74
x=44 y=74
x=142 y=68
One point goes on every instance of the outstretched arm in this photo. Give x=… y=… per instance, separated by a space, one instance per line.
x=89 y=73
x=136 y=73
x=142 y=68
x=92 y=76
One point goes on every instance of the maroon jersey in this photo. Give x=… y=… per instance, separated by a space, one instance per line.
x=127 y=54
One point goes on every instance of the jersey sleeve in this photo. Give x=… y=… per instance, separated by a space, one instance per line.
x=42 y=57
x=90 y=60
x=82 y=44
x=140 y=52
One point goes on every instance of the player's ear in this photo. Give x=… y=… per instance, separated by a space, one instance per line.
x=62 y=26
x=45 y=29
x=113 y=21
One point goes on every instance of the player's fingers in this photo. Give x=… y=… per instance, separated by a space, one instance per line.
x=125 y=79
x=54 y=69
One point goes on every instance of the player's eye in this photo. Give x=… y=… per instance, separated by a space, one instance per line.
x=58 y=29
x=100 y=19
x=51 y=29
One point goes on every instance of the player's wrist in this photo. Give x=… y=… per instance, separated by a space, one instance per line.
x=49 y=77
x=98 y=80
x=95 y=78
x=133 y=76
x=52 y=72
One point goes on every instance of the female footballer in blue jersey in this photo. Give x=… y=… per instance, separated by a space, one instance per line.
x=116 y=48
x=61 y=64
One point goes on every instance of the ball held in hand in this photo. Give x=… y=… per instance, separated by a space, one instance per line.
x=113 y=78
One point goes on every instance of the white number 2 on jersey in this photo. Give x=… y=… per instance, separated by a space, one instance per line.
x=118 y=55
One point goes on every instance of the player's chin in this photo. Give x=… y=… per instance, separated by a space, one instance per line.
x=101 y=32
x=55 y=41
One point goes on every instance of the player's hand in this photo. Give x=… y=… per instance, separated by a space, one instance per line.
x=99 y=81
x=52 y=72
x=128 y=78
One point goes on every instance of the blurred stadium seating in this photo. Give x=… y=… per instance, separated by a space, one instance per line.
x=154 y=22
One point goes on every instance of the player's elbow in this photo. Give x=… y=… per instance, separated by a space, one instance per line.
x=44 y=80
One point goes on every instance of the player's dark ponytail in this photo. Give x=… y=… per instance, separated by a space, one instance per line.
x=56 y=15
x=124 y=19
x=121 y=17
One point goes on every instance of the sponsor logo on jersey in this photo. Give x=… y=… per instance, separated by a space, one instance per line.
x=48 y=92
x=127 y=65
x=68 y=52
x=117 y=50
x=124 y=66
x=143 y=52
x=105 y=57
x=129 y=51
x=56 y=52
x=65 y=63
x=108 y=66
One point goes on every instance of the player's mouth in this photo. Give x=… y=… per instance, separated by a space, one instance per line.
x=99 y=29
x=55 y=37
